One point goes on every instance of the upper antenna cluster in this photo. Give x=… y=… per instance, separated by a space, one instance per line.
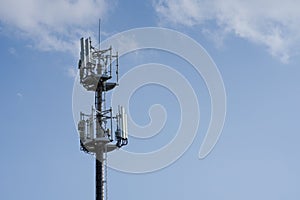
x=96 y=66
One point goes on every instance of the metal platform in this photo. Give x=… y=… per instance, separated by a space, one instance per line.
x=99 y=144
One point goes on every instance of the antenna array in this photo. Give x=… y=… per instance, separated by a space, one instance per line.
x=97 y=69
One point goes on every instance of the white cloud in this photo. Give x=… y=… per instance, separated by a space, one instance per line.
x=72 y=72
x=272 y=23
x=52 y=25
x=122 y=44
x=12 y=51
x=20 y=95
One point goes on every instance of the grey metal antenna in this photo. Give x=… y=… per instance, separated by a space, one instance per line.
x=99 y=36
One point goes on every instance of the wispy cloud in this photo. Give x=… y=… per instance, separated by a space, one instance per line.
x=12 y=51
x=52 y=25
x=72 y=72
x=20 y=95
x=272 y=23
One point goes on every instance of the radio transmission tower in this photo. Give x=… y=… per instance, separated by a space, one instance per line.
x=99 y=129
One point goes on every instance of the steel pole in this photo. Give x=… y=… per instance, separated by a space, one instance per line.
x=99 y=178
x=99 y=154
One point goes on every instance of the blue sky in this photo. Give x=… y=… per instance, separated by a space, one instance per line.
x=256 y=48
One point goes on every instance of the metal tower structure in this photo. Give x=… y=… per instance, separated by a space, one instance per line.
x=98 y=71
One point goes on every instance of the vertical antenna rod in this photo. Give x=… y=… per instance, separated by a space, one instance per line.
x=99 y=36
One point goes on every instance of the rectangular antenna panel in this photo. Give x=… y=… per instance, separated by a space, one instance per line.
x=91 y=127
x=82 y=129
x=124 y=123
x=82 y=53
x=119 y=122
x=125 y=127
x=87 y=50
